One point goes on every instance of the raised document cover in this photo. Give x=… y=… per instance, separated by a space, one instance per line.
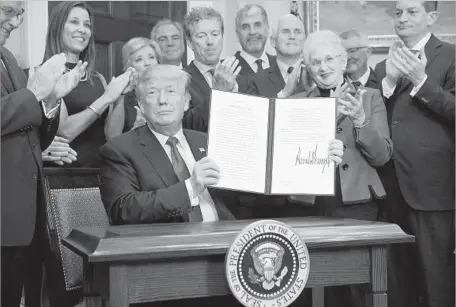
x=272 y=146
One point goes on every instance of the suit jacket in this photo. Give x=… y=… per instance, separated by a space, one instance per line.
x=246 y=70
x=197 y=116
x=269 y=82
x=372 y=80
x=25 y=133
x=365 y=149
x=138 y=183
x=422 y=129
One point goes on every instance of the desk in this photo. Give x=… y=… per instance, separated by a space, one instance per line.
x=145 y=263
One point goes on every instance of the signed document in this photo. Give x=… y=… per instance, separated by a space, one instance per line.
x=272 y=146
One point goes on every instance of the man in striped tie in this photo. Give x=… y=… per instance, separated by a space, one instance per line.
x=159 y=172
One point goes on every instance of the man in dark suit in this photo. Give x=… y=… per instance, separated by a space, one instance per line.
x=417 y=81
x=358 y=71
x=30 y=118
x=204 y=31
x=159 y=172
x=286 y=75
x=252 y=29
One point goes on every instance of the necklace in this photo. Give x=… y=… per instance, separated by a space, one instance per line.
x=83 y=78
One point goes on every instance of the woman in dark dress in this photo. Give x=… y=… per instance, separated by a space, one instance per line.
x=138 y=53
x=85 y=116
x=85 y=123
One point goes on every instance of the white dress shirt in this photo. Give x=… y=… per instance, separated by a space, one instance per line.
x=388 y=91
x=251 y=60
x=204 y=69
x=283 y=67
x=204 y=200
x=363 y=79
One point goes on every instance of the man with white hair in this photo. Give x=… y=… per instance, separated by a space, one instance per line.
x=252 y=29
x=159 y=172
x=284 y=76
x=358 y=71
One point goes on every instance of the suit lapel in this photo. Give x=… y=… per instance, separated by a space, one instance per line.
x=430 y=49
x=198 y=79
x=197 y=145
x=154 y=152
x=275 y=76
x=14 y=73
x=245 y=67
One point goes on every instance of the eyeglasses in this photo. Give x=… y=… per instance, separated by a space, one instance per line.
x=11 y=12
x=329 y=60
x=355 y=49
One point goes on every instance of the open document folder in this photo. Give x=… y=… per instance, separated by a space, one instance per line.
x=272 y=146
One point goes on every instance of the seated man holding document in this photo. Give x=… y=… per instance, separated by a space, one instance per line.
x=159 y=172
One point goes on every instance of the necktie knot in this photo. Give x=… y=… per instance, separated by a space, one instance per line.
x=290 y=70
x=172 y=141
x=259 y=63
x=211 y=71
x=356 y=83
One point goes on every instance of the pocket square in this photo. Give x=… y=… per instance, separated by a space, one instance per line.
x=202 y=150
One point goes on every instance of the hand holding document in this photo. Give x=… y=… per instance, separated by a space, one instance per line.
x=272 y=146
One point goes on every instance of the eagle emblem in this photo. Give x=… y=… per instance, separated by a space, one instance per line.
x=267 y=259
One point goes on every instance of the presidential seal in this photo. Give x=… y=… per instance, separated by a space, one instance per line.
x=267 y=265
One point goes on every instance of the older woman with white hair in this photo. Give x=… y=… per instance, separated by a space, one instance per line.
x=361 y=126
x=138 y=53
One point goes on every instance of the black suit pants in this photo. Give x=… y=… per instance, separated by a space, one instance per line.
x=420 y=274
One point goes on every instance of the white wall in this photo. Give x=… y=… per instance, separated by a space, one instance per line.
x=27 y=43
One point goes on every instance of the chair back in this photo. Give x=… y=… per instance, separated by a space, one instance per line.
x=72 y=200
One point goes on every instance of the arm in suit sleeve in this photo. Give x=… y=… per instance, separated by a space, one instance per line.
x=20 y=109
x=197 y=118
x=124 y=199
x=373 y=140
x=48 y=129
x=438 y=99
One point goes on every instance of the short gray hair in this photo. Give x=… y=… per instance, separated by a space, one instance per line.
x=279 y=21
x=164 y=22
x=355 y=33
x=134 y=45
x=162 y=71
x=323 y=37
x=201 y=13
x=246 y=10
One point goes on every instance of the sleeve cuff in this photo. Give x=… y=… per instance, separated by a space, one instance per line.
x=50 y=113
x=387 y=90
x=194 y=200
x=236 y=88
x=417 y=88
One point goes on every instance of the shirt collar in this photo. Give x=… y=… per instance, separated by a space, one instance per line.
x=162 y=139
x=420 y=45
x=203 y=68
x=363 y=79
x=283 y=67
x=250 y=59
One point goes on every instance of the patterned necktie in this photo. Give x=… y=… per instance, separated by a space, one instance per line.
x=181 y=170
x=259 y=63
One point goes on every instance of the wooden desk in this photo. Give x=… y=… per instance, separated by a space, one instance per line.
x=145 y=263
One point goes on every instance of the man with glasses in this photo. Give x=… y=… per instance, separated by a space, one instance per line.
x=358 y=51
x=30 y=118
